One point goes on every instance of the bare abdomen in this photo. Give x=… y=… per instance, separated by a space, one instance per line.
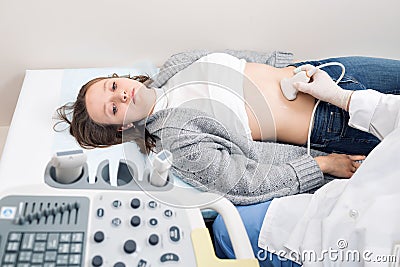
x=271 y=115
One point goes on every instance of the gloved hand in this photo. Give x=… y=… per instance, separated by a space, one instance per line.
x=323 y=87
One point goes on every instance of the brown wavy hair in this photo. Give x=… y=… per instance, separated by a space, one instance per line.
x=90 y=134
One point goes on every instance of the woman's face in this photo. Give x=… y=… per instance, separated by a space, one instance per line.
x=118 y=101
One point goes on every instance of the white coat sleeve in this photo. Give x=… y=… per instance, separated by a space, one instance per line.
x=374 y=112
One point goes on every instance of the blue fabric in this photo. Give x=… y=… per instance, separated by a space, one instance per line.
x=331 y=132
x=252 y=217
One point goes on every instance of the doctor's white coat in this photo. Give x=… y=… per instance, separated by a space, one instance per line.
x=353 y=222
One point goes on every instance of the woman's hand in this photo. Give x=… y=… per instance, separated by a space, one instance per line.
x=339 y=165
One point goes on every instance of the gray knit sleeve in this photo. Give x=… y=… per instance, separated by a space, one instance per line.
x=278 y=59
x=176 y=63
x=212 y=166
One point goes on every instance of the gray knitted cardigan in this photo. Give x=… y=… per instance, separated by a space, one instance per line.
x=213 y=158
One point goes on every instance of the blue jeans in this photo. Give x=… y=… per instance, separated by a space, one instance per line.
x=331 y=132
x=252 y=217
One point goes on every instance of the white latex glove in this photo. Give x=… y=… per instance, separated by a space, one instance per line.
x=323 y=87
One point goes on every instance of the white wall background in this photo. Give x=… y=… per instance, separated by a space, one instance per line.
x=44 y=34
x=3 y=136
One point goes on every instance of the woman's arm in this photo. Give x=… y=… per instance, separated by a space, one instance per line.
x=210 y=157
x=212 y=166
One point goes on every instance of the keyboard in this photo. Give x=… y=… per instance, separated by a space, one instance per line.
x=47 y=249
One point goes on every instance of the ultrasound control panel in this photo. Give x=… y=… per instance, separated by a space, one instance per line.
x=103 y=228
x=140 y=231
x=124 y=230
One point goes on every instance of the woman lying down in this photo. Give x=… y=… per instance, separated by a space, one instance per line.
x=225 y=120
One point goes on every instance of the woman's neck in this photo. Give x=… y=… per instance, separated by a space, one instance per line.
x=153 y=96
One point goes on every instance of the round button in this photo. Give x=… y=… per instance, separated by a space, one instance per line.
x=119 y=264
x=353 y=213
x=153 y=221
x=130 y=246
x=116 y=203
x=135 y=203
x=116 y=222
x=152 y=204
x=135 y=221
x=153 y=239
x=97 y=261
x=168 y=213
x=99 y=236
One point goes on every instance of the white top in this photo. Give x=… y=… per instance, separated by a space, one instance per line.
x=213 y=84
x=360 y=214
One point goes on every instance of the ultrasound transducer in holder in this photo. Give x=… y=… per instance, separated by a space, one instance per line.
x=68 y=165
x=162 y=162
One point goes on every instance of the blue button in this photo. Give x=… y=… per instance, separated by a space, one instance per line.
x=7 y=212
